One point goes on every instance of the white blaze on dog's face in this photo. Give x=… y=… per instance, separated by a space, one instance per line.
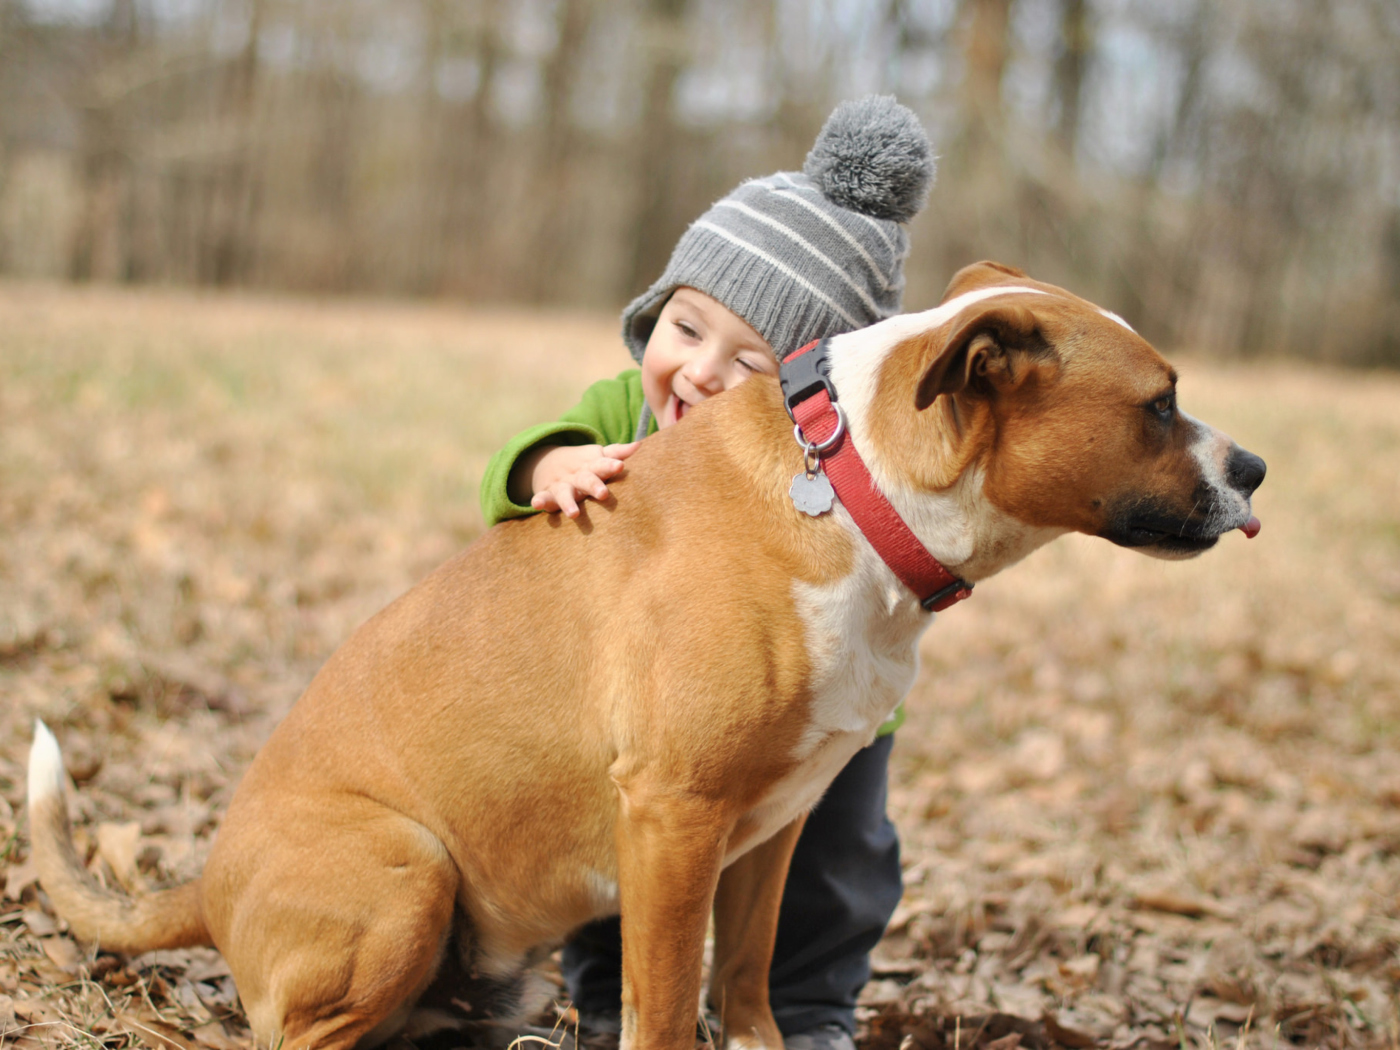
x=1066 y=416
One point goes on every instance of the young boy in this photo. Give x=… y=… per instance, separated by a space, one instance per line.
x=777 y=263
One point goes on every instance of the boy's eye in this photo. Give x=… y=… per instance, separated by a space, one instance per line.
x=748 y=366
x=686 y=330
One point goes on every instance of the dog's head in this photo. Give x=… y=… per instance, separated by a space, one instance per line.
x=1070 y=416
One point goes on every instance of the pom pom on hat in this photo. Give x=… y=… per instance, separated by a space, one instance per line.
x=873 y=156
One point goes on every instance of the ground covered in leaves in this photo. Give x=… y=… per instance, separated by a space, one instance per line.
x=1143 y=804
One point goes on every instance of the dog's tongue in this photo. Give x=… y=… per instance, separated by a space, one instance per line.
x=1250 y=528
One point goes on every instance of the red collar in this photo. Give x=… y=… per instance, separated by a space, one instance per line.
x=811 y=399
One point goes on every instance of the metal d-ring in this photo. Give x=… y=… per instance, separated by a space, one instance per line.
x=819 y=447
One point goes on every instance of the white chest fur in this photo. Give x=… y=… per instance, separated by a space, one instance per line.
x=862 y=631
x=862 y=635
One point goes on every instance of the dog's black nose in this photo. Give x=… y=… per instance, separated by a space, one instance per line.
x=1244 y=470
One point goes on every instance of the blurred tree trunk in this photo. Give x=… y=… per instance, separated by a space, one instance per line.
x=548 y=256
x=1192 y=49
x=1070 y=64
x=228 y=254
x=11 y=26
x=974 y=194
x=431 y=188
x=11 y=53
x=336 y=91
x=801 y=105
x=655 y=146
x=100 y=247
x=986 y=54
x=473 y=153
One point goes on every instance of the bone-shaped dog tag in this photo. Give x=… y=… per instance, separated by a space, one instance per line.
x=812 y=493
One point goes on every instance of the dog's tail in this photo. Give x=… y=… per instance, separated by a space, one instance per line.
x=171 y=918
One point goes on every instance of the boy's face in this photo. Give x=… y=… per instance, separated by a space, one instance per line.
x=698 y=349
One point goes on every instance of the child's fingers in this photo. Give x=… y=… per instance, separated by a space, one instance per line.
x=557 y=497
x=620 y=451
x=566 y=498
x=589 y=483
x=605 y=468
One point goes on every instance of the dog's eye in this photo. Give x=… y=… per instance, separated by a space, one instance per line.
x=1165 y=407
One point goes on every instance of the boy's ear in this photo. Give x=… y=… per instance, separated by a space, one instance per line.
x=988 y=350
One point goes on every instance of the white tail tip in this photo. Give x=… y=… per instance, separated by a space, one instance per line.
x=46 y=773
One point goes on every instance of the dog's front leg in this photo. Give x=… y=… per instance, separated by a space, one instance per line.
x=746 y=924
x=670 y=846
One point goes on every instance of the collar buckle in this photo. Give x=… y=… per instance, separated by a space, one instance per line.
x=805 y=372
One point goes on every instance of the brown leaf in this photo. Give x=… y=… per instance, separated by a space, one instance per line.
x=35 y=1011
x=1070 y=1037
x=1006 y=1042
x=1206 y=1011
x=63 y=952
x=43 y=969
x=1082 y=967
x=208 y=968
x=19 y=877
x=925 y=1036
x=1174 y=903
x=215 y=1035
x=40 y=924
x=188 y=998
x=82 y=761
x=103 y=965
x=118 y=845
x=153 y=1030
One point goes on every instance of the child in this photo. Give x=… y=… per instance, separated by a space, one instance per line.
x=777 y=263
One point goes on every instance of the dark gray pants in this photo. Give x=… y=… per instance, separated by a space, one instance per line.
x=842 y=888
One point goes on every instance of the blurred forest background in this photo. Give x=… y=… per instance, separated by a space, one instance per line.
x=1224 y=173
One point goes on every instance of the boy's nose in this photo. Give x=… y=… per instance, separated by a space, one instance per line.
x=705 y=375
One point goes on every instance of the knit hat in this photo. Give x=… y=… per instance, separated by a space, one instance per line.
x=802 y=255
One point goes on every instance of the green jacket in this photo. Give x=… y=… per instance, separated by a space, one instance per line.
x=608 y=414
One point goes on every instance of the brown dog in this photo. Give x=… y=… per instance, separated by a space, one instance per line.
x=633 y=711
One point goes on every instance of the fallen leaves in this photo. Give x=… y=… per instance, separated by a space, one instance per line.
x=152 y=1030
x=38 y=922
x=18 y=878
x=1174 y=902
x=62 y=952
x=118 y=844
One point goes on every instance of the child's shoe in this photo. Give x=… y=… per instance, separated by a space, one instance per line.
x=823 y=1037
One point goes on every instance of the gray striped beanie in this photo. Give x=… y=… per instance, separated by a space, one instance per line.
x=802 y=255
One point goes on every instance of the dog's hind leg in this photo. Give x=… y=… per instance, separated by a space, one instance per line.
x=338 y=927
x=746 y=925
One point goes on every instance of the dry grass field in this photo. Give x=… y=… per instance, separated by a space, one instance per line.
x=1143 y=804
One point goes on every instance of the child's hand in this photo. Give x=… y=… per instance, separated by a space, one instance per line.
x=561 y=476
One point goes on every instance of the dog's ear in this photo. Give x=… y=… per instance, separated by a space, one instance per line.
x=989 y=349
x=982 y=274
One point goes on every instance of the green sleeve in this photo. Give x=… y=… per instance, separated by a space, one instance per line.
x=892 y=723
x=606 y=415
